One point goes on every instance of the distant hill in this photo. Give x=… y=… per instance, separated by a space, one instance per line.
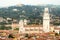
x=30 y=12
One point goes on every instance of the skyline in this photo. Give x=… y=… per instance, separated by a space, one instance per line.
x=6 y=3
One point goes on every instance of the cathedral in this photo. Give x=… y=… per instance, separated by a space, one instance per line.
x=45 y=28
x=37 y=28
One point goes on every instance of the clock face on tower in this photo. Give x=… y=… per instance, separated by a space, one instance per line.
x=46 y=11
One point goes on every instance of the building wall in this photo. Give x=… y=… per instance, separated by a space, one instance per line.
x=33 y=30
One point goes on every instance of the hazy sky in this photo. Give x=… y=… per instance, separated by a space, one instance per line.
x=4 y=3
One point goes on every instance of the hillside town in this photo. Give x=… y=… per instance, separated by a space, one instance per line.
x=21 y=30
x=29 y=19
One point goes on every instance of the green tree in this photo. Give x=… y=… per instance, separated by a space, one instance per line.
x=2 y=27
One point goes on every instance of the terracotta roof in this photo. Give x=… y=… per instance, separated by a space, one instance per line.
x=57 y=28
x=33 y=26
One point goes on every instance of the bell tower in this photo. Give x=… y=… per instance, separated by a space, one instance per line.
x=46 y=21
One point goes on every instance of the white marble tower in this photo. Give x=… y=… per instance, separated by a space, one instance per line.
x=21 y=26
x=46 y=21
